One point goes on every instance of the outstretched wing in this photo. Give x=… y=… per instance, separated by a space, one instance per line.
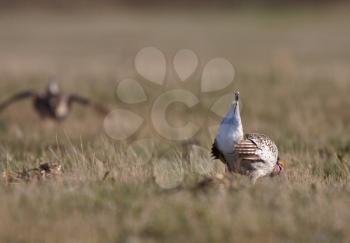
x=87 y=102
x=17 y=97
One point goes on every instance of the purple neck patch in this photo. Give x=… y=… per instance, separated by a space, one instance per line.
x=277 y=169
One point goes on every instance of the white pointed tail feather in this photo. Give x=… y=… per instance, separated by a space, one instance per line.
x=230 y=131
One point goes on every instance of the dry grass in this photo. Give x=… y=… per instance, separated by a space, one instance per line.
x=293 y=73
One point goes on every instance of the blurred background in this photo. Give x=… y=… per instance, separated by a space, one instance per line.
x=291 y=64
x=291 y=50
x=77 y=38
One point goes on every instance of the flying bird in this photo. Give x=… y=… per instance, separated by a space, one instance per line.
x=52 y=103
x=252 y=154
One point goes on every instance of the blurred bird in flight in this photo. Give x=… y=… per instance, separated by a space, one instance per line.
x=52 y=103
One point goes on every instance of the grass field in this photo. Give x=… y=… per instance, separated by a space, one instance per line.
x=293 y=72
